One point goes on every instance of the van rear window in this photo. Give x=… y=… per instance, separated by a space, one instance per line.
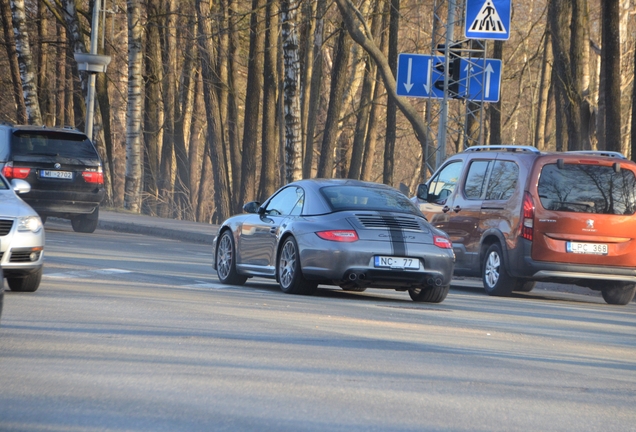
x=25 y=143
x=584 y=188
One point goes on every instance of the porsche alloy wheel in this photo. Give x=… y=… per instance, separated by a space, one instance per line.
x=290 y=275
x=225 y=261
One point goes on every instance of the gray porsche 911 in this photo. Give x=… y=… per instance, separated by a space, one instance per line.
x=348 y=233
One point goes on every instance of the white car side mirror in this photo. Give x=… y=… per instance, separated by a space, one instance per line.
x=20 y=186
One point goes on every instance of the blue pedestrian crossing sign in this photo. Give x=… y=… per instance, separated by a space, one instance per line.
x=487 y=19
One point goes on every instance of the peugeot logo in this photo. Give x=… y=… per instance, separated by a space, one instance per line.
x=590 y=224
x=57 y=166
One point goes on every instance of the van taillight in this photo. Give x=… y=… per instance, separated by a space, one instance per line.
x=11 y=172
x=527 y=227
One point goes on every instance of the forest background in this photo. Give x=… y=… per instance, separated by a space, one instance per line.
x=208 y=104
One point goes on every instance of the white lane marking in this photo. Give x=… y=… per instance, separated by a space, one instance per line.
x=85 y=273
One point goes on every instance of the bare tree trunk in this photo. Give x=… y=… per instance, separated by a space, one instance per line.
x=559 y=14
x=544 y=91
x=316 y=83
x=60 y=76
x=611 y=58
x=14 y=66
x=252 y=101
x=336 y=94
x=196 y=150
x=633 y=132
x=153 y=112
x=308 y=25
x=270 y=82
x=169 y=88
x=234 y=136
x=215 y=134
x=391 y=109
x=293 y=133
x=183 y=112
x=132 y=188
x=43 y=85
x=25 y=60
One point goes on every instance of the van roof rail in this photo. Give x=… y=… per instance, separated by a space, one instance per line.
x=510 y=148
x=612 y=154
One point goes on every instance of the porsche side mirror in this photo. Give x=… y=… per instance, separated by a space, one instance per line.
x=252 y=207
x=20 y=186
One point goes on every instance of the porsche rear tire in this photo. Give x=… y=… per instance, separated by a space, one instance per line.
x=290 y=275
x=429 y=294
x=226 y=261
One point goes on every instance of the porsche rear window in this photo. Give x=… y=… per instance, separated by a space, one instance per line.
x=367 y=198
x=586 y=188
x=26 y=143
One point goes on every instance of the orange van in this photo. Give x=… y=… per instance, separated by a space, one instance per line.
x=516 y=215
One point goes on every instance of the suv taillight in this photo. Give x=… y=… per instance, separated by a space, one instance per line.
x=93 y=177
x=527 y=227
x=10 y=172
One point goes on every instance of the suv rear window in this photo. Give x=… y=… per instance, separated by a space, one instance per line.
x=25 y=143
x=587 y=188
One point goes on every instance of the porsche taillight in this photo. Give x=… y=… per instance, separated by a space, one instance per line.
x=346 y=236
x=442 y=242
x=527 y=227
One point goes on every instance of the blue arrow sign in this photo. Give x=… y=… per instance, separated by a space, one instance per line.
x=487 y=19
x=480 y=79
x=416 y=74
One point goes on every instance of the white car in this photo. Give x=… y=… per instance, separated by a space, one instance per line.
x=21 y=238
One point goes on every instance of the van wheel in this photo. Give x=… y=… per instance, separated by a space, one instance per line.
x=86 y=223
x=429 y=294
x=28 y=283
x=496 y=280
x=619 y=294
x=525 y=286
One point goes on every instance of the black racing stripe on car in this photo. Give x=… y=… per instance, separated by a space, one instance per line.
x=397 y=236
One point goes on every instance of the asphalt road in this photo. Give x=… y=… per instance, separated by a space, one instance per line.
x=134 y=333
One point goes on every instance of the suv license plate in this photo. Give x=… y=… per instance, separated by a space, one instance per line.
x=587 y=248
x=397 y=262
x=56 y=174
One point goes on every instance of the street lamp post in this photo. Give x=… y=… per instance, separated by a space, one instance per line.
x=92 y=63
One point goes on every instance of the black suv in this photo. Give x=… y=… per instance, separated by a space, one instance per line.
x=63 y=168
x=516 y=215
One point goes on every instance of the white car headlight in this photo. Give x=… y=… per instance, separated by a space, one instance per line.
x=30 y=223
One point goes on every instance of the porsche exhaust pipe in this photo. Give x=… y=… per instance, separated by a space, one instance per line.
x=353 y=276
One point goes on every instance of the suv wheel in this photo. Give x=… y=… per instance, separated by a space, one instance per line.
x=28 y=283
x=86 y=223
x=619 y=294
x=496 y=280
